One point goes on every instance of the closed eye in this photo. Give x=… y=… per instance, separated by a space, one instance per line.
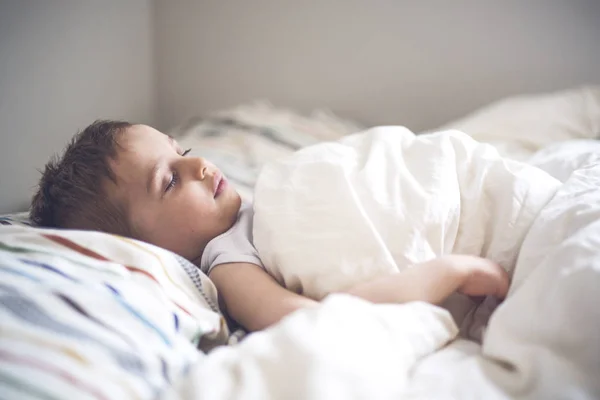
x=175 y=177
x=172 y=182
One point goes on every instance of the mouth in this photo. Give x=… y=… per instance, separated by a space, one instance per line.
x=220 y=183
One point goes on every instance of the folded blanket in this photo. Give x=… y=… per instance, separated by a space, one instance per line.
x=335 y=214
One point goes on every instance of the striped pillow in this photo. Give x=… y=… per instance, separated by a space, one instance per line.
x=92 y=315
x=21 y=218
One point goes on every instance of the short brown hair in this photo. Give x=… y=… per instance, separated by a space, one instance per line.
x=72 y=190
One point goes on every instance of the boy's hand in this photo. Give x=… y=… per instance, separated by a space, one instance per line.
x=481 y=277
x=434 y=280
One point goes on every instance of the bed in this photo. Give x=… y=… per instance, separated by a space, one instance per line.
x=90 y=315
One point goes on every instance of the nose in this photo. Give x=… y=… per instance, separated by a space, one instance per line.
x=199 y=167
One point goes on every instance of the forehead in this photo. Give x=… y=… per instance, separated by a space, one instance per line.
x=140 y=137
x=140 y=149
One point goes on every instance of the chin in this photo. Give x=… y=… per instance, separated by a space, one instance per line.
x=236 y=199
x=234 y=202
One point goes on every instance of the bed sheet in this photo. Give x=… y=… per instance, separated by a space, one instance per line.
x=563 y=158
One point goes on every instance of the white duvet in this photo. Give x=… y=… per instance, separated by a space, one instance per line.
x=338 y=213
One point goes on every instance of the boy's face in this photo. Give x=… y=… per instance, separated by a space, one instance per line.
x=174 y=201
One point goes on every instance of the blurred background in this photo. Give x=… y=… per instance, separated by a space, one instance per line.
x=65 y=63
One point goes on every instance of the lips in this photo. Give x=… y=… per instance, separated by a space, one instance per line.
x=219 y=184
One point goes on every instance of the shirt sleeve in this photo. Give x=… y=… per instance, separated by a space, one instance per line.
x=233 y=246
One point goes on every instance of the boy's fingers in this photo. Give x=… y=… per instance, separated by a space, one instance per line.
x=504 y=283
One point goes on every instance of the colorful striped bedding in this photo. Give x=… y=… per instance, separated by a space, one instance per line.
x=86 y=315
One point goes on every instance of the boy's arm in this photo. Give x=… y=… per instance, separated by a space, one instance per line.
x=252 y=297
x=255 y=300
x=433 y=281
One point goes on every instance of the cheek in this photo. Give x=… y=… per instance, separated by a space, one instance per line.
x=162 y=226
x=175 y=234
x=193 y=202
x=192 y=219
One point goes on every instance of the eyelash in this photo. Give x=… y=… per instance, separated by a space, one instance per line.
x=174 y=177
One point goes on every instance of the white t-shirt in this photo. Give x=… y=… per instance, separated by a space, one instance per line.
x=233 y=246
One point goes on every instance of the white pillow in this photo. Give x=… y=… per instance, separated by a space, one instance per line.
x=520 y=126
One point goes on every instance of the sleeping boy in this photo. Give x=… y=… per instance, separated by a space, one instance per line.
x=135 y=181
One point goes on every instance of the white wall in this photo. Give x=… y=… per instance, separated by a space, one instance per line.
x=64 y=63
x=418 y=63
